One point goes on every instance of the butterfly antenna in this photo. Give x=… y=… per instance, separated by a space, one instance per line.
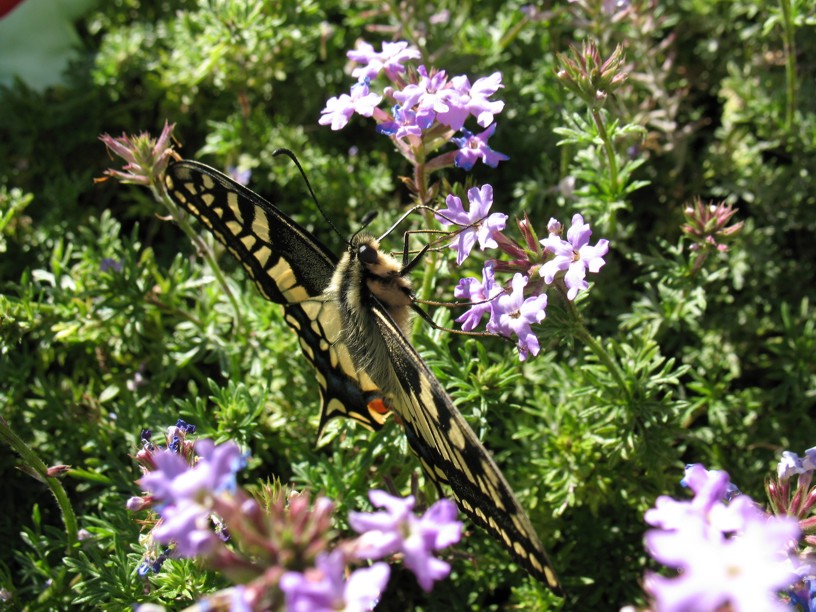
x=288 y=153
x=367 y=219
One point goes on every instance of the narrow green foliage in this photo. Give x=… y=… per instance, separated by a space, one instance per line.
x=694 y=344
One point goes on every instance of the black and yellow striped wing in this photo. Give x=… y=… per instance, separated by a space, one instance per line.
x=451 y=454
x=290 y=267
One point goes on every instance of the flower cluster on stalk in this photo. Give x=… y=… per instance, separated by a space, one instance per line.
x=793 y=494
x=426 y=109
x=535 y=265
x=709 y=228
x=278 y=548
x=726 y=552
x=147 y=157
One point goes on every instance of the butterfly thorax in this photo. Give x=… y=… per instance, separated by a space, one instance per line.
x=365 y=279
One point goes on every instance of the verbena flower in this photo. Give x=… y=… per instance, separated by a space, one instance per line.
x=585 y=73
x=325 y=588
x=427 y=108
x=473 y=148
x=478 y=224
x=108 y=264
x=793 y=494
x=429 y=95
x=789 y=465
x=184 y=494
x=480 y=293
x=239 y=174
x=573 y=256
x=726 y=554
x=535 y=264
x=339 y=110
x=398 y=530
x=390 y=60
x=513 y=315
x=404 y=124
x=709 y=225
x=473 y=100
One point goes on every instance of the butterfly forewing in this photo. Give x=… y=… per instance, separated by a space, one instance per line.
x=290 y=267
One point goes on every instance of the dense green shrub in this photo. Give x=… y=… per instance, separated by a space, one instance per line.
x=110 y=321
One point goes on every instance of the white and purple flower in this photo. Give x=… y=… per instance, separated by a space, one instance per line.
x=574 y=256
x=479 y=224
x=397 y=530
x=326 y=589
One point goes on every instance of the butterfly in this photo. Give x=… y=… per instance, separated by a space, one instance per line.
x=351 y=318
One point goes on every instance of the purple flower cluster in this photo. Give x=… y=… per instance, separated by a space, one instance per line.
x=552 y=261
x=397 y=530
x=793 y=495
x=382 y=534
x=325 y=588
x=146 y=157
x=427 y=108
x=192 y=487
x=183 y=494
x=727 y=552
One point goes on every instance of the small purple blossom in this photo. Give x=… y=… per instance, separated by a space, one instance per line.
x=513 y=315
x=240 y=175
x=809 y=460
x=482 y=293
x=324 y=589
x=239 y=599
x=727 y=554
x=745 y=571
x=339 y=110
x=479 y=226
x=134 y=504
x=397 y=529
x=185 y=493
x=429 y=95
x=404 y=124
x=169 y=467
x=188 y=526
x=473 y=147
x=472 y=100
x=714 y=484
x=110 y=264
x=573 y=256
x=791 y=464
x=390 y=59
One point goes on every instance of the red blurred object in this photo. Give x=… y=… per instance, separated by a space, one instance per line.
x=6 y=6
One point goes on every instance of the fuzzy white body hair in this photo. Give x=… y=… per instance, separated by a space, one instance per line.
x=364 y=278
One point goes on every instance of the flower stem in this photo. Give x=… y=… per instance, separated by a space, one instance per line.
x=39 y=470
x=600 y=352
x=611 y=160
x=183 y=222
x=790 y=63
x=423 y=195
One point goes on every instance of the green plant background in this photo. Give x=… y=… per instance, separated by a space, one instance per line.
x=719 y=366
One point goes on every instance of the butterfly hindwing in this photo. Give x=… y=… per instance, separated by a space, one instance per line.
x=452 y=455
x=290 y=267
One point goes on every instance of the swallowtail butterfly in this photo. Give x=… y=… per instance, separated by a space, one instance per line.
x=351 y=317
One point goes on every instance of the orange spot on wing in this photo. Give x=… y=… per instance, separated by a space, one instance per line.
x=379 y=406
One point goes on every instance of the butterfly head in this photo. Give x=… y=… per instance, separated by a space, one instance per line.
x=382 y=275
